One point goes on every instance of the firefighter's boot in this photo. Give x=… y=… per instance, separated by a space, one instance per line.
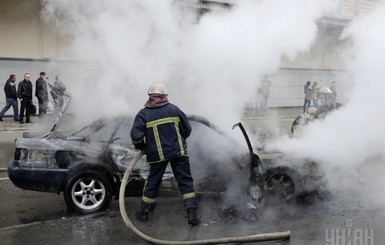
x=192 y=217
x=141 y=216
x=145 y=209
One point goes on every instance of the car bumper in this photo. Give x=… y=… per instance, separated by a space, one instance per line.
x=45 y=180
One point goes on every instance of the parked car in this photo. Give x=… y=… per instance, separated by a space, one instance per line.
x=87 y=166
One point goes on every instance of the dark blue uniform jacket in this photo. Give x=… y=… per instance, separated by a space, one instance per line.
x=164 y=130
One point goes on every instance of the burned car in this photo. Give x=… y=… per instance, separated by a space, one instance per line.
x=87 y=166
x=255 y=177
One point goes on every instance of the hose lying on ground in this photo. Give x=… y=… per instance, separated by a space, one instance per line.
x=253 y=238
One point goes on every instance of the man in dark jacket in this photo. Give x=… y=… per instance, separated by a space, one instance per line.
x=24 y=92
x=308 y=95
x=10 y=98
x=161 y=129
x=41 y=93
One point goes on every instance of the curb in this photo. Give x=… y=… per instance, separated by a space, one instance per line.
x=6 y=126
x=268 y=118
x=13 y=129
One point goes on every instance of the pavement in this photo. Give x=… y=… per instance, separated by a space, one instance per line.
x=249 y=113
x=274 y=112
x=8 y=124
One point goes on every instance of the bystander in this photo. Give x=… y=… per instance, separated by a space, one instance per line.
x=315 y=94
x=308 y=95
x=24 y=92
x=10 y=98
x=41 y=93
x=263 y=93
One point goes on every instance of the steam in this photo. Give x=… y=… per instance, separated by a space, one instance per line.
x=349 y=143
x=124 y=46
x=231 y=50
x=211 y=66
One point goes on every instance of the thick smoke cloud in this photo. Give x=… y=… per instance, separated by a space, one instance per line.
x=349 y=144
x=125 y=46
x=211 y=66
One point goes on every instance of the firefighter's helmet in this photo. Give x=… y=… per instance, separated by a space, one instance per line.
x=157 y=88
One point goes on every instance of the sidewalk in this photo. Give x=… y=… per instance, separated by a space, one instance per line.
x=249 y=113
x=9 y=125
x=271 y=124
x=273 y=112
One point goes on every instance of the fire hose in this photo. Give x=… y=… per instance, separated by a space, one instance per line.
x=253 y=238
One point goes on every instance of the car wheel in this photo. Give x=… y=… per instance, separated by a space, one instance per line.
x=88 y=191
x=282 y=183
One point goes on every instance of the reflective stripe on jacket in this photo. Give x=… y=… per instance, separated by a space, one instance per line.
x=164 y=129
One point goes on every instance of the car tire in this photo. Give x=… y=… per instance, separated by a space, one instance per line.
x=282 y=183
x=88 y=191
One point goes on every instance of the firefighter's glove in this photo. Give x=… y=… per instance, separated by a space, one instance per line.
x=140 y=146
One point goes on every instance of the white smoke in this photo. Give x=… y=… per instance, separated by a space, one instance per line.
x=211 y=66
x=349 y=144
x=126 y=45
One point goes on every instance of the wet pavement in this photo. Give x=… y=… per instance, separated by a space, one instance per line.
x=42 y=218
x=309 y=224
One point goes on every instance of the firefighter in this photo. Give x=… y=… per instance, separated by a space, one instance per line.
x=161 y=129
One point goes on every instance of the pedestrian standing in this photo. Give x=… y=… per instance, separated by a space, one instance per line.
x=263 y=93
x=57 y=91
x=58 y=85
x=10 y=98
x=308 y=95
x=326 y=97
x=315 y=94
x=333 y=88
x=24 y=92
x=41 y=92
x=161 y=129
